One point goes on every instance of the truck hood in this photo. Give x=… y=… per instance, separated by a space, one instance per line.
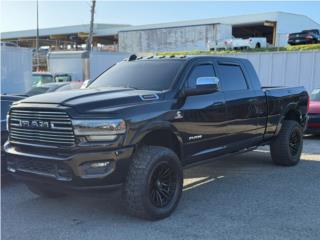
x=84 y=100
x=314 y=107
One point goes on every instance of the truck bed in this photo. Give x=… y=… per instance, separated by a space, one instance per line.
x=280 y=100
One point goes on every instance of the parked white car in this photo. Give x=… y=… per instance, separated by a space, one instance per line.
x=239 y=43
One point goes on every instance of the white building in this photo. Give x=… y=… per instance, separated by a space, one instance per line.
x=195 y=34
x=173 y=36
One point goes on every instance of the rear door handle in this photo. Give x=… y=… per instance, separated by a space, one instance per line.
x=218 y=103
x=252 y=100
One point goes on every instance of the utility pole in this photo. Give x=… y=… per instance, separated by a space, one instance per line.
x=89 y=41
x=37 y=39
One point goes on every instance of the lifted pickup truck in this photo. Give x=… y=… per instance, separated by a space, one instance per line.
x=140 y=122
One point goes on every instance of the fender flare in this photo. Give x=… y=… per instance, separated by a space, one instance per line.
x=156 y=126
x=290 y=107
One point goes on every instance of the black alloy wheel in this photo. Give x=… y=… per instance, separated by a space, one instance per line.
x=162 y=185
x=286 y=147
x=154 y=183
x=294 y=142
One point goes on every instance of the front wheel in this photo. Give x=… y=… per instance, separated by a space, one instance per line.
x=287 y=147
x=154 y=183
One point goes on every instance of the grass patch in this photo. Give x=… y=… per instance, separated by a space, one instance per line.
x=306 y=47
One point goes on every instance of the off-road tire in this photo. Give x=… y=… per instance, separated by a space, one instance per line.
x=41 y=191
x=281 y=152
x=137 y=188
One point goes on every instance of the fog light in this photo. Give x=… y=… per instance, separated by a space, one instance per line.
x=96 y=169
x=100 y=138
x=99 y=164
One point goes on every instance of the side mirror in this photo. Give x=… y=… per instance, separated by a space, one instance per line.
x=204 y=85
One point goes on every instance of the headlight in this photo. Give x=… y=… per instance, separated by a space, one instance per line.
x=99 y=130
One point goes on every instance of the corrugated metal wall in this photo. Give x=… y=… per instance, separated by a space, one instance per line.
x=166 y=39
x=286 y=68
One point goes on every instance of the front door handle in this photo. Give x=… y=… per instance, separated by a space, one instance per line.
x=218 y=104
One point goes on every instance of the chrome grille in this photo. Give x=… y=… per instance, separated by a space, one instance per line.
x=40 y=127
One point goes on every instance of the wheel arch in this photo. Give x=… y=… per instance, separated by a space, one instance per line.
x=291 y=112
x=160 y=134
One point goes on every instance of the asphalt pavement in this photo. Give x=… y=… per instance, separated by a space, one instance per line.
x=240 y=197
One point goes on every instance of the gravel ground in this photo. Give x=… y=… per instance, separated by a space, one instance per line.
x=240 y=197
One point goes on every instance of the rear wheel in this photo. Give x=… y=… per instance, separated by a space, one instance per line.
x=154 y=183
x=42 y=191
x=287 y=147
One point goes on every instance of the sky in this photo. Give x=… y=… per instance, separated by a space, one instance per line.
x=21 y=15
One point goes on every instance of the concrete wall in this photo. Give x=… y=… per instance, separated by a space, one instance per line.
x=222 y=32
x=166 y=39
x=286 y=68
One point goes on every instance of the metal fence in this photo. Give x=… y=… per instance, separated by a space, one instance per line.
x=286 y=68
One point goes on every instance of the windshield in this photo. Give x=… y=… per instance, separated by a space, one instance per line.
x=310 y=31
x=143 y=75
x=38 y=79
x=315 y=95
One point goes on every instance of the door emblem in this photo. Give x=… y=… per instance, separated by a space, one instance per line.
x=178 y=115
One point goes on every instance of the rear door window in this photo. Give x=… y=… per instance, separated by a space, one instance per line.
x=232 y=77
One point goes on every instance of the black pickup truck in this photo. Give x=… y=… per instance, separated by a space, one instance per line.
x=305 y=37
x=140 y=122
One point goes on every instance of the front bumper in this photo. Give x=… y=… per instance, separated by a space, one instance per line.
x=298 y=41
x=81 y=170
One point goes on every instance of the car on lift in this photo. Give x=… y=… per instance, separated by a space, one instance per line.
x=313 y=126
x=305 y=37
x=140 y=122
